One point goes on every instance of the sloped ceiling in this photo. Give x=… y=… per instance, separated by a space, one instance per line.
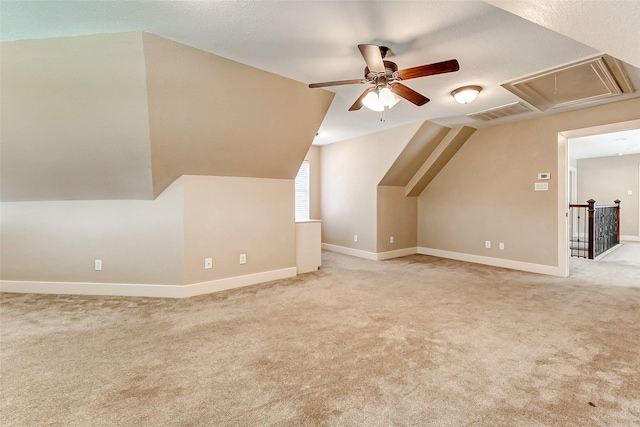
x=609 y=26
x=74 y=121
x=121 y=116
x=212 y=116
x=314 y=41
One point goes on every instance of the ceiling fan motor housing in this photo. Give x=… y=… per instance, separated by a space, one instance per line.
x=391 y=70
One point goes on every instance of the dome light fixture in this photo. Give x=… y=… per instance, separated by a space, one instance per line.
x=466 y=94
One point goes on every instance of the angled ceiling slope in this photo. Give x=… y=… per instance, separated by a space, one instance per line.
x=209 y=115
x=121 y=116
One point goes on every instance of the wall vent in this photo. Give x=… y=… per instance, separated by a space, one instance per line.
x=573 y=84
x=500 y=112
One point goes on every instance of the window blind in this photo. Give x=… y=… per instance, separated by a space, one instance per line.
x=302 y=192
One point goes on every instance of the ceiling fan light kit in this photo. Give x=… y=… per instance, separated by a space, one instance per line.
x=383 y=98
x=466 y=94
x=386 y=79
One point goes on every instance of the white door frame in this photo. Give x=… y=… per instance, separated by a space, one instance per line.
x=563 y=182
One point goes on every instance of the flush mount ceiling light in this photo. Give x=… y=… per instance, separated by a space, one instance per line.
x=466 y=94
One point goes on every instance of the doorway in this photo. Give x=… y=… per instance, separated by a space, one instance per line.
x=607 y=141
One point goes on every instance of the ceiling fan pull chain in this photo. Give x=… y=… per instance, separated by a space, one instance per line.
x=382 y=115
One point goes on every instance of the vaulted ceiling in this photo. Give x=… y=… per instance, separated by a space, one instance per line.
x=315 y=41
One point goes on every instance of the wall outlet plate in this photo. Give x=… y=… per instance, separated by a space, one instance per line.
x=243 y=258
x=355 y=237
x=97 y=265
x=487 y=244
x=208 y=263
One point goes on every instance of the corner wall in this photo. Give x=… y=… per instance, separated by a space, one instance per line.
x=155 y=247
x=486 y=192
x=397 y=218
x=351 y=172
x=228 y=216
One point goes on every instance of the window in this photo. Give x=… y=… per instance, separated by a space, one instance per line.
x=302 y=192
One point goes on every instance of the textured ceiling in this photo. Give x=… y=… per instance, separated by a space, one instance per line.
x=315 y=41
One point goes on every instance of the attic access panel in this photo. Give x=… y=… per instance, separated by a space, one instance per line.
x=578 y=83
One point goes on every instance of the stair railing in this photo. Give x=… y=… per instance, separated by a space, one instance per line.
x=593 y=229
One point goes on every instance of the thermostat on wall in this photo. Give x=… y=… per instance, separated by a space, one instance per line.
x=544 y=175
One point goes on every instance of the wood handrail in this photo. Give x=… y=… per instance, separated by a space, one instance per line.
x=585 y=205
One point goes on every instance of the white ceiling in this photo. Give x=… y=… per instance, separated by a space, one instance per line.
x=316 y=41
x=604 y=145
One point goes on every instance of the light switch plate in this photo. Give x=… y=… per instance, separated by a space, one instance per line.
x=541 y=186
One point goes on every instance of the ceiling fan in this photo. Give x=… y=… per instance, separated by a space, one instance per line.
x=385 y=78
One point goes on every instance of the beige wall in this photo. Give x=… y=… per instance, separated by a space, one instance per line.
x=162 y=241
x=315 y=184
x=398 y=217
x=351 y=172
x=212 y=116
x=606 y=179
x=228 y=216
x=124 y=116
x=74 y=122
x=486 y=192
x=138 y=241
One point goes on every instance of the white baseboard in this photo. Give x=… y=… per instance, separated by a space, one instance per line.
x=496 y=262
x=373 y=256
x=88 y=288
x=350 y=251
x=144 y=290
x=397 y=253
x=630 y=238
x=237 y=282
x=607 y=252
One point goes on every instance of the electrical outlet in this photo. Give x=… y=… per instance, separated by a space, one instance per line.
x=97 y=265
x=391 y=239
x=502 y=246
x=208 y=263
x=243 y=258
x=355 y=237
x=487 y=244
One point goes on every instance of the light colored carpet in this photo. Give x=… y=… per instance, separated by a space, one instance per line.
x=628 y=253
x=412 y=341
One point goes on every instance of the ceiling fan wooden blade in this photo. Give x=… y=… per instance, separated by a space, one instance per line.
x=409 y=94
x=337 y=83
x=429 y=69
x=373 y=57
x=358 y=104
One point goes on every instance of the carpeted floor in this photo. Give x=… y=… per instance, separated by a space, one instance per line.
x=415 y=341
